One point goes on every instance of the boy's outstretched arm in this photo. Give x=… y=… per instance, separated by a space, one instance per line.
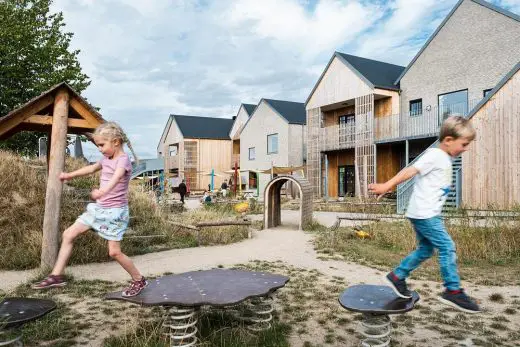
x=86 y=170
x=382 y=188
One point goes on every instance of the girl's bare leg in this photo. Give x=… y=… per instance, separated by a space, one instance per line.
x=67 y=244
x=114 y=250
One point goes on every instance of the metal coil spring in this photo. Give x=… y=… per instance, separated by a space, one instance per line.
x=376 y=329
x=10 y=337
x=261 y=309
x=182 y=326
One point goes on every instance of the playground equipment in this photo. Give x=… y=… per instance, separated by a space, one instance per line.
x=15 y=312
x=376 y=303
x=183 y=296
x=272 y=201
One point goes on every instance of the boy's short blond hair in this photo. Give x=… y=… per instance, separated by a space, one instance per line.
x=456 y=127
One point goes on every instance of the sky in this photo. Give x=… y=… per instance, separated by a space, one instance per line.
x=149 y=59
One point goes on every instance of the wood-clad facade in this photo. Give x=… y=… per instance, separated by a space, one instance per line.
x=491 y=168
x=193 y=159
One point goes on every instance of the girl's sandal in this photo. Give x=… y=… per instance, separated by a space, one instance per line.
x=50 y=281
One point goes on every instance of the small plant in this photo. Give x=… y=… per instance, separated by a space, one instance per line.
x=496 y=297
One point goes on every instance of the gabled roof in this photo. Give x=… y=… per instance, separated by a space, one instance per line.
x=204 y=127
x=376 y=74
x=293 y=112
x=500 y=84
x=250 y=108
x=480 y=2
x=36 y=114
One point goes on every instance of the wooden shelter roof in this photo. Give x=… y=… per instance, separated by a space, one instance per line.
x=37 y=113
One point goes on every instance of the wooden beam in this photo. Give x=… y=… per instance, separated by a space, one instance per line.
x=56 y=159
x=47 y=120
x=34 y=108
x=85 y=113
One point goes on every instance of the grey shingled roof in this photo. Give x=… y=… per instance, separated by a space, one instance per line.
x=293 y=112
x=204 y=127
x=378 y=73
x=480 y=2
x=500 y=84
x=250 y=108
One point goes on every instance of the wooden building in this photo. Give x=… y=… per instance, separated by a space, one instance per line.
x=193 y=148
x=368 y=119
x=244 y=112
x=491 y=168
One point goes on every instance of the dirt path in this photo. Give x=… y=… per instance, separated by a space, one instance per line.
x=295 y=249
x=288 y=245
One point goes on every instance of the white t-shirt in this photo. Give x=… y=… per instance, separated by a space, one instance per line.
x=432 y=184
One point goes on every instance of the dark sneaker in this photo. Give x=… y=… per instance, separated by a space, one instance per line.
x=459 y=300
x=398 y=285
x=51 y=281
x=135 y=288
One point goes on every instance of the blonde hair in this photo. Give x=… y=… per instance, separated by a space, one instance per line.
x=456 y=127
x=113 y=131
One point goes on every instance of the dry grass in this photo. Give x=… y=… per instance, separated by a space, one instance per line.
x=22 y=201
x=214 y=235
x=349 y=205
x=488 y=255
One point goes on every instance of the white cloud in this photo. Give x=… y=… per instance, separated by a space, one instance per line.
x=148 y=59
x=395 y=39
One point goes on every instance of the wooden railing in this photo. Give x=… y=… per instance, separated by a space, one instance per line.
x=425 y=124
x=171 y=162
x=336 y=137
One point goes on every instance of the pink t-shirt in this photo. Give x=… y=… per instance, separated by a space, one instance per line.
x=118 y=196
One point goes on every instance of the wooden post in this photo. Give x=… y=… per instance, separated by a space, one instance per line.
x=58 y=143
x=326 y=184
x=406 y=152
x=236 y=178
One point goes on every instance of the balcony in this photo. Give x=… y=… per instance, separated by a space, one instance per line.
x=235 y=158
x=426 y=124
x=336 y=137
x=171 y=162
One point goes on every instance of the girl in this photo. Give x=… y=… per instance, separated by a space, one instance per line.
x=109 y=215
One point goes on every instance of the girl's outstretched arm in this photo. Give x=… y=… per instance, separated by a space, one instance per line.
x=86 y=170
x=118 y=174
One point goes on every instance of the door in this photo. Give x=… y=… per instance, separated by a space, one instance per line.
x=346 y=180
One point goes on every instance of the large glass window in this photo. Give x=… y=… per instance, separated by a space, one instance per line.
x=172 y=150
x=252 y=153
x=454 y=103
x=416 y=107
x=272 y=143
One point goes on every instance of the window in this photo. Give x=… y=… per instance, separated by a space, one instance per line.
x=272 y=144
x=454 y=103
x=487 y=91
x=252 y=153
x=172 y=150
x=252 y=180
x=345 y=120
x=416 y=107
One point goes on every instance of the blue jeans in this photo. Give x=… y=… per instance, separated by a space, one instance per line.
x=431 y=234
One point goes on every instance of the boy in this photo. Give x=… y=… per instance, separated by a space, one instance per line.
x=431 y=187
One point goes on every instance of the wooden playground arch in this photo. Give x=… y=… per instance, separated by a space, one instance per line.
x=272 y=201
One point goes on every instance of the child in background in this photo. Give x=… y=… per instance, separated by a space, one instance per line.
x=109 y=215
